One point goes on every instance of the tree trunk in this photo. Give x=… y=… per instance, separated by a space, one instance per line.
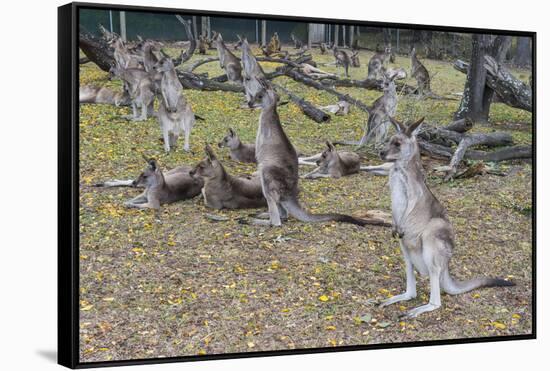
x=523 y=52
x=499 y=48
x=509 y=89
x=471 y=105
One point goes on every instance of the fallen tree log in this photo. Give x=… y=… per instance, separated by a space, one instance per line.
x=84 y=60
x=297 y=76
x=96 y=50
x=460 y=126
x=504 y=154
x=469 y=140
x=190 y=80
x=510 y=90
x=307 y=108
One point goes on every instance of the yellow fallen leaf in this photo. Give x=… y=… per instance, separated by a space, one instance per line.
x=201 y=352
x=108 y=299
x=498 y=325
x=87 y=307
x=331 y=328
x=323 y=298
x=516 y=316
x=250 y=344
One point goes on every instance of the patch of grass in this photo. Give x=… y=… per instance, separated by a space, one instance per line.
x=178 y=284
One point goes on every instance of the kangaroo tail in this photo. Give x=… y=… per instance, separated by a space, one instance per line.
x=295 y=209
x=452 y=287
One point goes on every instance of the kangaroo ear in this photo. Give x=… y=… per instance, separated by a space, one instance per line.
x=398 y=125
x=231 y=132
x=330 y=146
x=411 y=128
x=209 y=152
x=152 y=164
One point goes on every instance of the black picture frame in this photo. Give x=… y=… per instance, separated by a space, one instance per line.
x=68 y=187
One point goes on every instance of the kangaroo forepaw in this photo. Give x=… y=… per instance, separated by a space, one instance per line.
x=396 y=232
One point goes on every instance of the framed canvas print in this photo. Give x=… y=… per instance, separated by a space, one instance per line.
x=237 y=185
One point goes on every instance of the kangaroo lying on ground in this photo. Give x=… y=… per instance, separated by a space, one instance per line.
x=222 y=190
x=278 y=168
x=339 y=109
x=425 y=233
x=334 y=164
x=331 y=163
x=228 y=61
x=420 y=73
x=175 y=113
x=377 y=62
x=174 y=185
x=103 y=95
x=238 y=151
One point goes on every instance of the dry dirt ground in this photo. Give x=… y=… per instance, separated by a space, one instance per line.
x=177 y=283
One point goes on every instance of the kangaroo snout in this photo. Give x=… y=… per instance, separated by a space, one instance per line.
x=383 y=154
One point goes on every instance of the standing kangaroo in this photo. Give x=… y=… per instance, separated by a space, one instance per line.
x=334 y=164
x=342 y=59
x=252 y=72
x=228 y=61
x=175 y=113
x=140 y=86
x=323 y=48
x=378 y=62
x=297 y=42
x=382 y=108
x=420 y=73
x=278 y=168
x=425 y=233
x=355 y=62
x=222 y=190
x=238 y=150
x=172 y=186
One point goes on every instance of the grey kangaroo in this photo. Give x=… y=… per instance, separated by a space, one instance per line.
x=382 y=108
x=252 y=72
x=175 y=113
x=238 y=150
x=172 y=186
x=355 y=62
x=140 y=87
x=425 y=233
x=278 y=168
x=334 y=164
x=228 y=61
x=297 y=42
x=222 y=190
x=420 y=73
x=377 y=62
x=103 y=95
x=342 y=59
